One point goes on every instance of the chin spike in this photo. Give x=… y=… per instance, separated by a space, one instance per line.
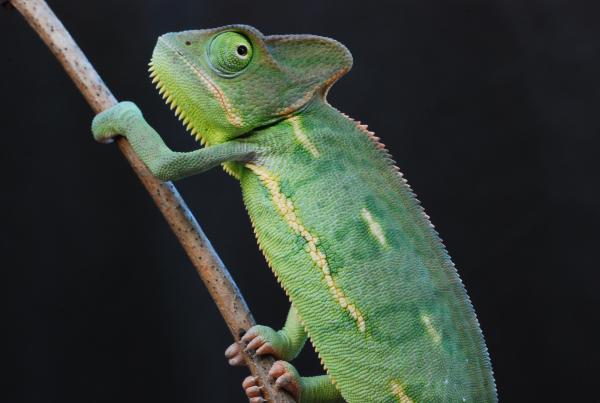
x=171 y=102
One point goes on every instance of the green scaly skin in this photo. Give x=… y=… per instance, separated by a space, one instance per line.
x=371 y=283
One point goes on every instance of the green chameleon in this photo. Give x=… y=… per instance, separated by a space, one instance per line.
x=369 y=280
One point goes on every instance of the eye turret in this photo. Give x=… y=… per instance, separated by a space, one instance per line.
x=230 y=52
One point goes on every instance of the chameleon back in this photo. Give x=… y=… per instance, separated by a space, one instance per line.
x=343 y=233
x=358 y=258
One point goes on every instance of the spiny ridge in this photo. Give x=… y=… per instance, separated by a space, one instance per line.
x=388 y=157
x=440 y=248
x=172 y=104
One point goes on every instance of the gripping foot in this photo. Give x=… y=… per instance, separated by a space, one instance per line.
x=261 y=340
x=286 y=378
x=115 y=121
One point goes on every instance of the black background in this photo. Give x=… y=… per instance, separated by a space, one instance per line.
x=489 y=107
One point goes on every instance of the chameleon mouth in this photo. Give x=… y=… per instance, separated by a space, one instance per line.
x=171 y=102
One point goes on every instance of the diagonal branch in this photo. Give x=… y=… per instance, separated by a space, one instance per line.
x=213 y=273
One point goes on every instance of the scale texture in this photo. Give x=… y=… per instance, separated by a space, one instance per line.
x=340 y=228
x=377 y=292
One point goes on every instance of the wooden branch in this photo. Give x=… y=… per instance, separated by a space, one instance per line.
x=213 y=273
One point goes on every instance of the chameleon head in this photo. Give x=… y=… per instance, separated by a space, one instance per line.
x=227 y=81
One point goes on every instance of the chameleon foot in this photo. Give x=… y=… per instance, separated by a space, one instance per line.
x=286 y=378
x=259 y=339
x=253 y=391
x=265 y=340
x=234 y=355
x=115 y=121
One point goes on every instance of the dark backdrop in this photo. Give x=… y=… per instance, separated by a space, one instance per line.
x=489 y=107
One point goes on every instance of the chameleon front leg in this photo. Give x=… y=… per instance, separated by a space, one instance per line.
x=126 y=119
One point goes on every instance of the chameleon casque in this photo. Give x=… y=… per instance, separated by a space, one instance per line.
x=369 y=280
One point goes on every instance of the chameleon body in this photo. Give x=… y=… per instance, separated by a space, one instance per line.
x=369 y=280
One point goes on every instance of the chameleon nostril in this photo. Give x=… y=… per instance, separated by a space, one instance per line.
x=188 y=43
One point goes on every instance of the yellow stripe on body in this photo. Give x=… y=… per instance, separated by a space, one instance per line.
x=302 y=137
x=435 y=335
x=374 y=226
x=398 y=391
x=286 y=209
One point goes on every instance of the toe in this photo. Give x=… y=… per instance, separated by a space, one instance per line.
x=236 y=361
x=255 y=343
x=250 y=335
x=253 y=391
x=234 y=355
x=249 y=382
x=233 y=350
x=265 y=349
x=285 y=381
x=277 y=369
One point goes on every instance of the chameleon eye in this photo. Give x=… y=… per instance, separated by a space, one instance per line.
x=230 y=52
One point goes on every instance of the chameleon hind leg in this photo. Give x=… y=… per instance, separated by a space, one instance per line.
x=284 y=345
x=309 y=389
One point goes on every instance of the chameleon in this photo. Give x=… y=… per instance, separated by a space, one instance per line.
x=370 y=283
